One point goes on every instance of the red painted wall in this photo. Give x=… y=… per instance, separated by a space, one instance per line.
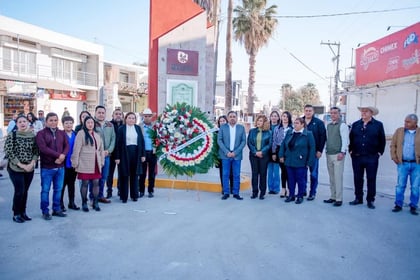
x=165 y=15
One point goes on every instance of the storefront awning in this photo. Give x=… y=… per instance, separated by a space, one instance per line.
x=50 y=84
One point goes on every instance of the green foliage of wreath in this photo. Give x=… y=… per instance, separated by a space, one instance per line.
x=177 y=125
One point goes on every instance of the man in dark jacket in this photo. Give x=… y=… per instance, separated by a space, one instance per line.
x=53 y=148
x=367 y=144
x=317 y=127
x=117 y=122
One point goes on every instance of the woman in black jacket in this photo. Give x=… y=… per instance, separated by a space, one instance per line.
x=129 y=155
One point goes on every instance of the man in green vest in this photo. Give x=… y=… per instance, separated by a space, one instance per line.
x=337 y=142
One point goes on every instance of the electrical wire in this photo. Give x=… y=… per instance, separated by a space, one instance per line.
x=350 y=13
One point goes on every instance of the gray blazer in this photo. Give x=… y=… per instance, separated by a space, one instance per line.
x=223 y=139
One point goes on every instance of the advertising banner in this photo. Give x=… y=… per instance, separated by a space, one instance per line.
x=394 y=56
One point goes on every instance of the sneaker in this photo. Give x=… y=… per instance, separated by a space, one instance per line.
x=413 y=211
x=46 y=216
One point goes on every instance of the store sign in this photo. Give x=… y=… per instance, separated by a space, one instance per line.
x=182 y=62
x=20 y=87
x=67 y=95
x=394 y=56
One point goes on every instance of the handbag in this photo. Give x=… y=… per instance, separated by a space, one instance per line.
x=4 y=161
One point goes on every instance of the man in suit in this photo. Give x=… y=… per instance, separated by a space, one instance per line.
x=231 y=140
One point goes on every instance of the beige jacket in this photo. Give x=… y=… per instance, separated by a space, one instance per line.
x=83 y=157
x=397 y=145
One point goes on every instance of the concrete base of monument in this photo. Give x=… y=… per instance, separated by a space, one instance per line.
x=209 y=182
x=194 y=184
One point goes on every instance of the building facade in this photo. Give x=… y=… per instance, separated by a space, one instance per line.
x=45 y=70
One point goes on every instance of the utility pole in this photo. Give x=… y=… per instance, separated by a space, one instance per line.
x=335 y=59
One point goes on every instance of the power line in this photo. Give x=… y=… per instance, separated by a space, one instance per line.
x=304 y=65
x=350 y=13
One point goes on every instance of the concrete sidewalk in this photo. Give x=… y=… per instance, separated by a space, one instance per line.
x=188 y=234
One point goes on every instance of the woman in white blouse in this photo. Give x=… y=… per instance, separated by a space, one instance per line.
x=129 y=155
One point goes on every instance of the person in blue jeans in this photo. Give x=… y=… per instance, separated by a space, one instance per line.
x=107 y=132
x=53 y=148
x=317 y=127
x=405 y=152
x=273 y=168
x=231 y=140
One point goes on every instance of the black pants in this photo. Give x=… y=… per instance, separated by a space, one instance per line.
x=132 y=178
x=259 y=174
x=360 y=164
x=283 y=175
x=69 y=181
x=21 y=182
x=148 y=164
x=110 y=179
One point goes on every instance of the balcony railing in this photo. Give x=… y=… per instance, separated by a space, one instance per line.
x=36 y=72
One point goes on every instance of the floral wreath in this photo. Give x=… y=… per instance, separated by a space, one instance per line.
x=184 y=142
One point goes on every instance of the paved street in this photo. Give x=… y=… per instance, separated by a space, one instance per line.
x=182 y=234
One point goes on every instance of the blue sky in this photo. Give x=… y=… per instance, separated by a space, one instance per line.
x=122 y=27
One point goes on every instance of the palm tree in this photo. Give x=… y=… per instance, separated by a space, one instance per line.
x=228 y=60
x=253 y=26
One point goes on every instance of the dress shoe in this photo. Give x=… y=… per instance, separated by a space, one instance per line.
x=26 y=217
x=18 y=219
x=397 y=208
x=124 y=201
x=305 y=194
x=63 y=208
x=73 y=206
x=225 y=196
x=85 y=208
x=370 y=205
x=337 y=203
x=273 y=192
x=134 y=199
x=330 y=200
x=108 y=195
x=104 y=200
x=311 y=197
x=290 y=199
x=59 y=214
x=261 y=197
x=283 y=192
x=356 y=201
x=238 y=197
x=299 y=200
x=253 y=196
x=141 y=194
x=46 y=216
x=413 y=211
x=150 y=195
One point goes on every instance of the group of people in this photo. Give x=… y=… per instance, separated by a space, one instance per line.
x=279 y=146
x=90 y=152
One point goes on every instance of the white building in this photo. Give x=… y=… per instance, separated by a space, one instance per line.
x=43 y=69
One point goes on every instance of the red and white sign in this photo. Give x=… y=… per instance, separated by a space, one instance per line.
x=182 y=62
x=394 y=56
x=67 y=95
